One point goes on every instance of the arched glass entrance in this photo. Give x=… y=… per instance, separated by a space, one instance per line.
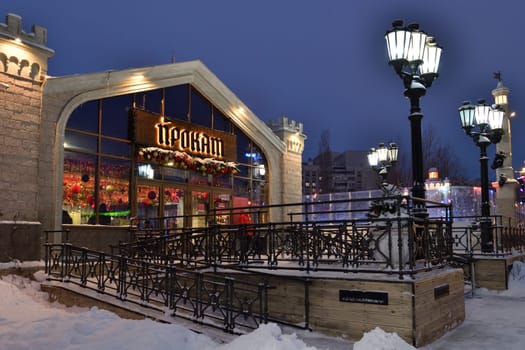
x=110 y=178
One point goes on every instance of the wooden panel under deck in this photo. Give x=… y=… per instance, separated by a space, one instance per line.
x=420 y=310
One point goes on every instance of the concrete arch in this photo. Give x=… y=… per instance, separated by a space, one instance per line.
x=63 y=95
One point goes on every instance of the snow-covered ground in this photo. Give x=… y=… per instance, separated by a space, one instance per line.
x=29 y=321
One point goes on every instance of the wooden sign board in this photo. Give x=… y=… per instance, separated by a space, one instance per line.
x=154 y=130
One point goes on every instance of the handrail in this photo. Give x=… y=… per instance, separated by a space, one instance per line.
x=215 y=300
x=396 y=245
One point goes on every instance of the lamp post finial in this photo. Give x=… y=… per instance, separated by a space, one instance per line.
x=497 y=76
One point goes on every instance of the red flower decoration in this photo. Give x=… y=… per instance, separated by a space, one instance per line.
x=75 y=189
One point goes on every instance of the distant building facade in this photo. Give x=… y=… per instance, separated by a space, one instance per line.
x=349 y=172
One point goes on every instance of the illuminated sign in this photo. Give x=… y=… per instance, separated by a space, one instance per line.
x=151 y=129
x=169 y=135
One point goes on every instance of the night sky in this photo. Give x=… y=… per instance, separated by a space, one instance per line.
x=322 y=63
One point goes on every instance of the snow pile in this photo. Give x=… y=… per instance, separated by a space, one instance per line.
x=267 y=337
x=517 y=276
x=377 y=339
x=29 y=321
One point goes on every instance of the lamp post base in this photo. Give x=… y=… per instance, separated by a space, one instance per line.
x=487 y=245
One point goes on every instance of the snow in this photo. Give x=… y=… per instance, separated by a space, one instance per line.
x=28 y=320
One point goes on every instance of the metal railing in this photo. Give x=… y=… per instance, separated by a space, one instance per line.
x=222 y=302
x=395 y=243
x=506 y=238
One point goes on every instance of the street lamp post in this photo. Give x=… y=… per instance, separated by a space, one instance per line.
x=484 y=124
x=415 y=56
x=382 y=158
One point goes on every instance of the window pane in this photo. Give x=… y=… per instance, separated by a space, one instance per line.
x=148 y=171
x=197 y=178
x=258 y=157
x=148 y=207
x=114 y=192
x=176 y=102
x=149 y=101
x=224 y=181
x=222 y=204
x=258 y=193
x=115 y=116
x=78 y=187
x=200 y=110
x=244 y=170
x=80 y=142
x=241 y=188
x=174 y=174
x=200 y=206
x=220 y=122
x=173 y=207
x=84 y=117
x=116 y=148
x=244 y=153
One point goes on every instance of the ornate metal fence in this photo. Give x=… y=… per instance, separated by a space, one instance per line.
x=506 y=238
x=222 y=302
x=400 y=244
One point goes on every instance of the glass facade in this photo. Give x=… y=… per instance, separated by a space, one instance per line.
x=108 y=180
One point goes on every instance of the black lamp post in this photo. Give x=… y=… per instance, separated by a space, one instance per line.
x=415 y=58
x=382 y=158
x=484 y=124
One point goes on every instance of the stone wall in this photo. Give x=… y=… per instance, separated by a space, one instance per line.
x=23 y=64
x=21 y=241
x=19 y=135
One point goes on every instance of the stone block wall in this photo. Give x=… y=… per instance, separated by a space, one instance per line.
x=20 y=105
x=23 y=67
x=20 y=240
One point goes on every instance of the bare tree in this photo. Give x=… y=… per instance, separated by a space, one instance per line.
x=325 y=163
x=435 y=155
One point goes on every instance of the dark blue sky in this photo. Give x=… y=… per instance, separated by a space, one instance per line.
x=322 y=63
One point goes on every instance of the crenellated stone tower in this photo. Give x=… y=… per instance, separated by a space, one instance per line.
x=23 y=67
x=292 y=134
x=506 y=191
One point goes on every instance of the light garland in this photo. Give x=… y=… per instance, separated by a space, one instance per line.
x=183 y=160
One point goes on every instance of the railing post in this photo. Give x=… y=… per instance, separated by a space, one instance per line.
x=199 y=287
x=101 y=273
x=83 y=268
x=144 y=266
x=263 y=302
x=170 y=286
x=229 y=319
x=47 y=266
x=307 y=303
x=123 y=266
x=399 y=243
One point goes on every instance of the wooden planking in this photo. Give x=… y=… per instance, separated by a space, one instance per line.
x=435 y=316
x=491 y=273
x=328 y=314
x=413 y=312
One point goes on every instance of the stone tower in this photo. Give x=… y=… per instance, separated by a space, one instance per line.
x=506 y=190
x=291 y=133
x=23 y=67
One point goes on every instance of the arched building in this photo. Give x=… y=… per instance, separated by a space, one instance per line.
x=166 y=140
